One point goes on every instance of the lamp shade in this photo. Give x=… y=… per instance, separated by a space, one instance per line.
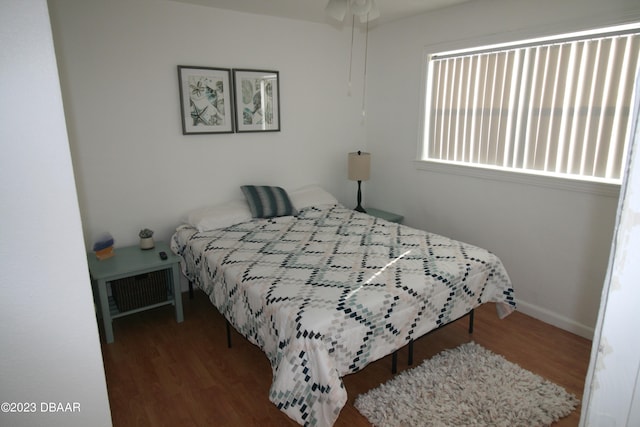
x=359 y=166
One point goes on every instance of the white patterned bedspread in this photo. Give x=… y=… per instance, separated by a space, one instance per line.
x=327 y=292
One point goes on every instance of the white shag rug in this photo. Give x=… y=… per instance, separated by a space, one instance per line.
x=466 y=386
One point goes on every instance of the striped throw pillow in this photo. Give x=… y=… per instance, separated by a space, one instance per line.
x=267 y=201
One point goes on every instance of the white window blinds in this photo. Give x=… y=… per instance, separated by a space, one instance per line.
x=561 y=107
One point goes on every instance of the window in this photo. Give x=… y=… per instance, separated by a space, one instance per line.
x=558 y=107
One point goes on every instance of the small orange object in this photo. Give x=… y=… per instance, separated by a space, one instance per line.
x=105 y=253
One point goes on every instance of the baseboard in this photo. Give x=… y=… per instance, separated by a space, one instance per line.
x=555 y=319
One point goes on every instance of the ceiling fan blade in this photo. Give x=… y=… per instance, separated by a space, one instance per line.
x=337 y=9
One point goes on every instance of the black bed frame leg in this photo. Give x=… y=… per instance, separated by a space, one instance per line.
x=228 y=334
x=410 y=360
x=394 y=362
x=190 y=289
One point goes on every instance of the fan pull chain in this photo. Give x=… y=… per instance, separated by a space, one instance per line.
x=364 y=78
x=353 y=25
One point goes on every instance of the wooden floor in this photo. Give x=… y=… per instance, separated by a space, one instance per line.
x=161 y=373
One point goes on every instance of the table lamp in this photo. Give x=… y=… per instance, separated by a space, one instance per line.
x=359 y=167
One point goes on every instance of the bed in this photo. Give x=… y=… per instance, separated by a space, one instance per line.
x=324 y=290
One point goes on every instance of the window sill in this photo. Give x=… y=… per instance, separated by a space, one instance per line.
x=598 y=188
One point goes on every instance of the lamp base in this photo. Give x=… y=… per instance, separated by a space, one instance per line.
x=359 y=208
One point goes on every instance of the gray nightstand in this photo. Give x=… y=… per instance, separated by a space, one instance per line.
x=389 y=216
x=134 y=263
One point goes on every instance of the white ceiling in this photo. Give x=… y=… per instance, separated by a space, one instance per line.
x=313 y=10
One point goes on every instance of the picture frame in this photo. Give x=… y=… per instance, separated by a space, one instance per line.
x=256 y=100
x=205 y=100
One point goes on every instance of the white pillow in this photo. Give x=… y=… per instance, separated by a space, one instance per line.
x=219 y=216
x=311 y=195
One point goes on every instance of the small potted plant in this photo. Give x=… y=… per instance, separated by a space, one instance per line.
x=146 y=239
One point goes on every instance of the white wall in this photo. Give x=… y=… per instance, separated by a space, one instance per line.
x=133 y=166
x=48 y=331
x=554 y=242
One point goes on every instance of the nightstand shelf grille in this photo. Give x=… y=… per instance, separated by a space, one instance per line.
x=140 y=290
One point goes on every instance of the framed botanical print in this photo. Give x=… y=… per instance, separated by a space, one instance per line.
x=256 y=100
x=205 y=100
